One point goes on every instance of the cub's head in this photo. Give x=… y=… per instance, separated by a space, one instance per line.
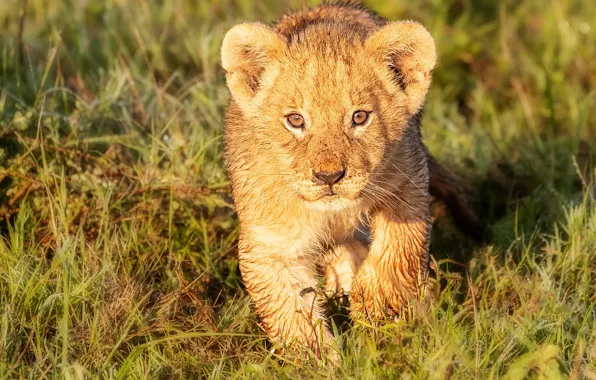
x=327 y=106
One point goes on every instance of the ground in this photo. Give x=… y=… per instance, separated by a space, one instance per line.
x=117 y=246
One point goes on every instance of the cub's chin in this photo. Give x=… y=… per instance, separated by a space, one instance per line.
x=331 y=201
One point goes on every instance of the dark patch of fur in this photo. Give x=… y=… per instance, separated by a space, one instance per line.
x=398 y=75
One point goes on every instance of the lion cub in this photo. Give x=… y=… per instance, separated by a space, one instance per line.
x=322 y=139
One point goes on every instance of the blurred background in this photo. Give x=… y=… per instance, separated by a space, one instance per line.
x=118 y=257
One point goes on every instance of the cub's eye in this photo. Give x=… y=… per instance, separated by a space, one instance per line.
x=360 y=117
x=295 y=120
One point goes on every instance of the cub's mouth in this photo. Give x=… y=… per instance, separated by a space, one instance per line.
x=331 y=194
x=346 y=191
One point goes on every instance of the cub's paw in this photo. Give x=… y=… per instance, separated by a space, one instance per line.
x=368 y=301
x=376 y=296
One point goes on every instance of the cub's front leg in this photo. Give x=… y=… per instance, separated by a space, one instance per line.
x=282 y=281
x=397 y=262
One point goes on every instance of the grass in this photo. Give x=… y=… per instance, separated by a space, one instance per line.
x=117 y=248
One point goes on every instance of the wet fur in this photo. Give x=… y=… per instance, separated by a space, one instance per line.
x=327 y=62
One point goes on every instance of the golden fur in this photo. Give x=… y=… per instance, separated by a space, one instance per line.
x=325 y=64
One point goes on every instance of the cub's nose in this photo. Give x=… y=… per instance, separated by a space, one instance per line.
x=328 y=178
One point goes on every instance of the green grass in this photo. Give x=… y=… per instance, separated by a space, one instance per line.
x=117 y=248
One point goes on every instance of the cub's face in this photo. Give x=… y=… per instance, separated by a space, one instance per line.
x=328 y=120
x=325 y=108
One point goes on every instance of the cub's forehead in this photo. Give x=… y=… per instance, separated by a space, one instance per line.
x=327 y=76
x=332 y=40
x=326 y=64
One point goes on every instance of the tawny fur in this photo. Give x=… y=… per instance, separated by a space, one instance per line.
x=326 y=63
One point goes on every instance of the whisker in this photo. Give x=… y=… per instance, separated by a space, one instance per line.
x=376 y=197
x=393 y=185
x=405 y=175
x=382 y=191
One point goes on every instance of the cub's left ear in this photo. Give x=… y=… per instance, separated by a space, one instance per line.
x=408 y=50
x=246 y=52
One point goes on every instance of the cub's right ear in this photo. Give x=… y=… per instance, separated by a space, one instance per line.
x=408 y=49
x=246 y=51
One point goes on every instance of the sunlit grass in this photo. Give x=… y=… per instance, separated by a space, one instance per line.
x=117 y=255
